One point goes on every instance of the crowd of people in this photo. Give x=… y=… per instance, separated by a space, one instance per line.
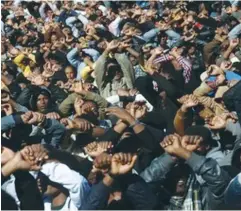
x=120 y=105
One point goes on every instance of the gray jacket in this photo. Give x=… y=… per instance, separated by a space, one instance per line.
x=216 y=179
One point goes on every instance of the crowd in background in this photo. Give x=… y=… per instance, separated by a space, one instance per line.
x=120 y=105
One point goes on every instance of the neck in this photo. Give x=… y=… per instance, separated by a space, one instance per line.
x=59 y=200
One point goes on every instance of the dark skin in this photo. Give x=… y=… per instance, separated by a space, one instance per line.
x=42 y=103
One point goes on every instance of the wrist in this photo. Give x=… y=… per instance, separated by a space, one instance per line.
x=136 y=122
x=108 y=180
x=184 y=109
x=184 y=154
x=131 y=121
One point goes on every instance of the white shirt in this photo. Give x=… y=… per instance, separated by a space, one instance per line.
x=75 y=183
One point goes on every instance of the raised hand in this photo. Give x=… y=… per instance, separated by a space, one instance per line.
x=83 y=125
x=33 y=118
x=7 y=108
x=68 y=123
x=122 y=114
x=94 y=149
x=122 y=163
x=38 y=80
x=47 y=73
x=77 y=88
x=171 y=144
x=220 y=122
x=112 y=45
x=183 y=99
x=234 y=43
x=102 y=163
x=191 y=143
x=190 y=102
x=53 y=115
x=174 y=52
x=35 y=153
x=78 y=103
x=138 y=109
x=214 y=70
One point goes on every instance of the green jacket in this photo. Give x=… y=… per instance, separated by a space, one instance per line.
x=67 y=106
x=110 y=88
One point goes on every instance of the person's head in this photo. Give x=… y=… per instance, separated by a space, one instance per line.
x=133 y=60
x=50 y=188
x=205 y=134
x=70 y=72
x=177 y=180
x=40 y=101
x=53 y=38
x=102 y=45
x=191 y=50
x=114 y=71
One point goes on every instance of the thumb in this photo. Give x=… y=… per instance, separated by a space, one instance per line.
x=133 y=160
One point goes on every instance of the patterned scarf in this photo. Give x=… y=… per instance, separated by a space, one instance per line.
x=192 y=200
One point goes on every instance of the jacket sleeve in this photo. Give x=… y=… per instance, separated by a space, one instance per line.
x=150 y=138
x=139 y=193
x=66 y=106
x=55 y=131
x=208 y=50
x=100 y=71
x=235 y=129
x=97 y=198
x=28 y=192
x=202 y=90
x=158 y=168
x=150 y=34
x=100 y=101
x=75 y=183
x=57 y=93
x=210 y=103
x=127 y=69
x=215 y=177
x=233 y=192
x=18 y=61
x=71 y=57
x=8 y=122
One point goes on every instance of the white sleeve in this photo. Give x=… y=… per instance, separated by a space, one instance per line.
x=83 y=19
x=140 y=97
x=113 y=99
x=114 y=26
x=75 y=183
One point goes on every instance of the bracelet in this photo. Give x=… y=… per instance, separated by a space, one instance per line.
x=134 y=124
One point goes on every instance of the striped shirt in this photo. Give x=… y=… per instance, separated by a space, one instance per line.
x=185 y=64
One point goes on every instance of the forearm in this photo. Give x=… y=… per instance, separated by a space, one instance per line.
x=133 y=52
x=99 y=195
x=227 y=53
x=158 y=168
x=179 y=122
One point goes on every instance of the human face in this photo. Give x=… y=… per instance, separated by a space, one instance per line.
x=42 y=102
x=69 y=72
x=87 y=86
x=102 y=45
x=53 y=38
x=191 y=50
